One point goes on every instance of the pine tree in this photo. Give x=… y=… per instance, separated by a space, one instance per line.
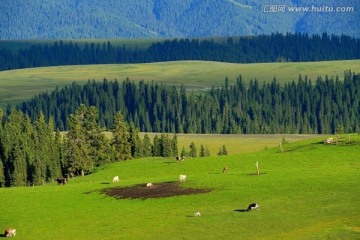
x=174 y=145
x=120 y=145
x=156 y=147
x=77 y=149
x=193 y=151
x=99 y=148
x=166 y=146
x=135 y=142
x=146 y=146
x=202 y=151
x=42 y=143
x=183 y=152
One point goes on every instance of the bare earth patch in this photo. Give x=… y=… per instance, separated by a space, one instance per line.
x=157 y=190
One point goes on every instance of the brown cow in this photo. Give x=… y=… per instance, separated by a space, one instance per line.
x=10 y=232
x=61 y=181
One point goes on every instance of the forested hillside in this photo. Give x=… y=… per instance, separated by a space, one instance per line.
x=271 y=48
x=31 y=154
x=298 y=107
x=69 y=19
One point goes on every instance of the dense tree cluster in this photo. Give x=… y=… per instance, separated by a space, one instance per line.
x=297 y=107
x=32 y=154
x=271 y=48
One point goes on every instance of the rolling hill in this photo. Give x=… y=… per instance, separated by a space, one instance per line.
x=19 y=85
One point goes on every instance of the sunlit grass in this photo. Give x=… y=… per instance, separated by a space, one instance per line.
x=310 y=191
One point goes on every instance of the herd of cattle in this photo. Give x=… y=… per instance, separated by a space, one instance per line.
x=11 y=232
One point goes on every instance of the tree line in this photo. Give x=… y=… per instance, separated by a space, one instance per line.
x=35 y=154
x=301 y=106
x=263 y=48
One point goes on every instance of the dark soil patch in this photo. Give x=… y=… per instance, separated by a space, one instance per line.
x=157 y=190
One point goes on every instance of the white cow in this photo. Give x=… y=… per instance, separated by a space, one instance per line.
x=197 y=214
x=149 y=184
x=11 y=232
x=182 y=178
x=116 y=179
x=329 y=140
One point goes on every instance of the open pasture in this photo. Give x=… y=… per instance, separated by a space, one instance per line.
x=310 y=191
x=234 y=143
x=22 y=84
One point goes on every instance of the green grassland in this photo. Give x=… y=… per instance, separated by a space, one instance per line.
x=310 y=191
x=234 y=143
x=19 y=85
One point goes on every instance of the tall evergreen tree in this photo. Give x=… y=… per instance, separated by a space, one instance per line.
x=146 y=146
x=77 y=149
x=120 y=145
x=193 y=151
x=135 y=142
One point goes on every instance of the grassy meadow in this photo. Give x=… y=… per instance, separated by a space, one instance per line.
x=310 y=191
x=19 y=85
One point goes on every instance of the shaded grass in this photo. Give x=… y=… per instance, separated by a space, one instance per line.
x=18 y=85
x=310 y=191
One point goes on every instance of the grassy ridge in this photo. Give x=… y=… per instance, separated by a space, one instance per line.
x=308 y=192
x=18 y=85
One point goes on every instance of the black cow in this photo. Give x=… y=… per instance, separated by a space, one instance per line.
x=61 y=181
x=252 y=206
x=178 y=158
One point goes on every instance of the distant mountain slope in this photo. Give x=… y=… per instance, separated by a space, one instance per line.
x=50 y=19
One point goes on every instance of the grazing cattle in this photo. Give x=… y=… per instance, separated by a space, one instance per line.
x=178 y=158
x=61 y=181
x=252 y=206
x=197 y=214
x=225 y=170
x=182 y=178
x=116 y=179
x=149 y=184
x=11 y=232
x=329 y=140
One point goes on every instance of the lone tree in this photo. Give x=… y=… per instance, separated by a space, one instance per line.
x=223 y=151
x=338 y=131
x=192 y=152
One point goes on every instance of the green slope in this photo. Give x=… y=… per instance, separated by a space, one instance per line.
x=310 y=191
x=19 y=85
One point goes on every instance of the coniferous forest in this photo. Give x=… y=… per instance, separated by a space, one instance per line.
x=33 y=151
x=32 y=154
x=263 y=48
x=302 y=106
